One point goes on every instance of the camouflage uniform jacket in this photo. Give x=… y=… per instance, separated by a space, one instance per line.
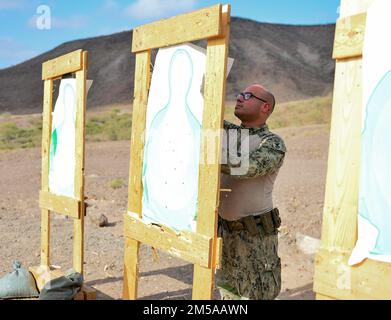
x=254 y=158
x=267 y=158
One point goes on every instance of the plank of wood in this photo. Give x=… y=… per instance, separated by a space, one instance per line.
x=131 y=268
x=78 y=224
x=209 y=176
x=79 y=296
x=349 y=36
x=135 y=190
x=201 y=24
x=189 y=246
x=335 y=278
x=67 y=63
x=46 y=132
x=81 y=102
x=141 y=87
x=45 y=152
x=339 y=227
x=219 y=252
x=45 y=237
x=60 y=204
x=89 y=293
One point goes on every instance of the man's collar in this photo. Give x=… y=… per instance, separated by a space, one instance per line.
x=257 y=130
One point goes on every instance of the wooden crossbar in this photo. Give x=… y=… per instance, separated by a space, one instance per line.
x=349 y=36
x=67 y=63
x=192 y=247
x=63 y=205
x=201 y=24
x=335 y=278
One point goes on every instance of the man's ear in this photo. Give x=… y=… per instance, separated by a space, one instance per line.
x=266 y=107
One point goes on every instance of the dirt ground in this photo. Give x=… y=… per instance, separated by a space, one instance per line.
x=299 y=194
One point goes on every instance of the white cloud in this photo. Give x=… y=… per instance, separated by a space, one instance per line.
x=11 y=4
x=158 y=9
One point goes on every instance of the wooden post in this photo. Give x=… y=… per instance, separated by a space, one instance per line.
x=334 y=278
x=46 y=132
x=209 y=177
x=78 y=224
x=141 y=88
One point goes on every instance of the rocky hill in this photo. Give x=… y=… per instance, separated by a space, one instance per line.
x=294 y=62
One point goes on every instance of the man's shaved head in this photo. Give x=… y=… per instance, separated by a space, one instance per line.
x=257 y=108
x=264 y=94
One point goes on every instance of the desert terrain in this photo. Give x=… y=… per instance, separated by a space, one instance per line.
x=299 y=194
x=292 y=61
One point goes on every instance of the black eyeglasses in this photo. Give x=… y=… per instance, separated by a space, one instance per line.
x=248 y=95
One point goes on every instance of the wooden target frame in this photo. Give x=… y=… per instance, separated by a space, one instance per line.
x=75 y=208
x=334 y=278
x=201 y=248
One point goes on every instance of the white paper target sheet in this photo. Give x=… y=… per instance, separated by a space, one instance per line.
x=63 y=140
x=173 y=136
x=374 y=216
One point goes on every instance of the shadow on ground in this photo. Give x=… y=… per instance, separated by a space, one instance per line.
x=185 y=275
x=182 y=273
x=300 y=293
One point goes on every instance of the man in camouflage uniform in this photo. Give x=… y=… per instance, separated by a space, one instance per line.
x=248 y=222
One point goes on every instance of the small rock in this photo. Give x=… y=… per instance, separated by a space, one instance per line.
x=103 y=221
x=110 y=266
x=99 y=219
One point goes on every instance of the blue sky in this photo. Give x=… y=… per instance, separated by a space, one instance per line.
x=21 y=39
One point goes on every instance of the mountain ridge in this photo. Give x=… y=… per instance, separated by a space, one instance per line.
x=293 y=61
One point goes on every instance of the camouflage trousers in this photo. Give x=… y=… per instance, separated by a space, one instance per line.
x=251 y=268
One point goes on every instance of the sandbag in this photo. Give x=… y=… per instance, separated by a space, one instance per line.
x=18 y=284
x=62 y=288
